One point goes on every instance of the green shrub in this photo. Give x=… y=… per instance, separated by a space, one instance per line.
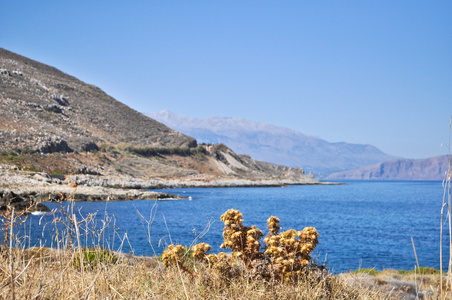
x=420 y=270
x=56 y=172
x=94 y=256
x=146 y=151
x=371 y=272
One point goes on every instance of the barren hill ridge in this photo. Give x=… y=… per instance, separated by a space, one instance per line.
x=44 y=109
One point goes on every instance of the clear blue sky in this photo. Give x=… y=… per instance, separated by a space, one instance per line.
x=371 y=72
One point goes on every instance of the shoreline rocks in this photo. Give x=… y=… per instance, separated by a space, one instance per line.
x=25 y=190
x=135 y=183
x=30 y=199
x=19 y=203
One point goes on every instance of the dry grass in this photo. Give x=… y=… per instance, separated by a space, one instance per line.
x=447 y=203
x=420 y=283
x=73 y=272
x=50 y=274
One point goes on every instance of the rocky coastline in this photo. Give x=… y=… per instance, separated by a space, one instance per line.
x=24 y=190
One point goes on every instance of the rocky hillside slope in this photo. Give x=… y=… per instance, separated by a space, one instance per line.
x=433 y=168
x=44 y=109
x=275 y=144
x=55 y=124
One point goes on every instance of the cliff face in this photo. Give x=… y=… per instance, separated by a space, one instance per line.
x=44 y=109
x=433 y=168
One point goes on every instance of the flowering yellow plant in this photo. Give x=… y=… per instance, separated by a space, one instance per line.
x=289 y=251
x=173 y=255
x=286 y=254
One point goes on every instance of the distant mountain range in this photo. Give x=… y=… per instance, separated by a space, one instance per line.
x=276 y=144
x=433 y=168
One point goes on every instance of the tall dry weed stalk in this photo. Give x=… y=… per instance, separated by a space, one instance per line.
x=447 y=203
x=11 y=254
x=72 y=236
x=9 y=220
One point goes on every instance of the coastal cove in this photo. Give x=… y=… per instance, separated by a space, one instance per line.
x=361 y=224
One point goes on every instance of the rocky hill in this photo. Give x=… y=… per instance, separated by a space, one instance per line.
x=52 y=124
x=433 y=168
x=275 y=144
x=44 y=109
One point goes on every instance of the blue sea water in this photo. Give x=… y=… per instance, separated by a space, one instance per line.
x=362 y=224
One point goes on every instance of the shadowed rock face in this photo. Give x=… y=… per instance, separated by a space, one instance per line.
x=46 y=110
x=12 y=200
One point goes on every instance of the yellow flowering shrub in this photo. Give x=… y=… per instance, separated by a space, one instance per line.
x=173 y=255
x=290 y=251
x=242 y=240
x=286 y=254
x=200 y=250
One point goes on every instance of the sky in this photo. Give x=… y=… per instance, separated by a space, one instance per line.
x=366 y=72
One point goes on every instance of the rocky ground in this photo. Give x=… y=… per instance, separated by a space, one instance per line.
x=23 y=189
x=395 y=284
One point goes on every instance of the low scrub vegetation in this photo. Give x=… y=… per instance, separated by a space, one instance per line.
x=417 y=271
x=157 y=151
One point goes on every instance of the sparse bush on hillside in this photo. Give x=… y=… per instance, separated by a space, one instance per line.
x=104 y=147
x=123 y=147
x=53 y=108
x=220 y=147
x=89 y=147
x=29 y=151
x=161 y=151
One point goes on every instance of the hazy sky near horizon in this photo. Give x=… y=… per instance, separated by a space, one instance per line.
x=369 y=72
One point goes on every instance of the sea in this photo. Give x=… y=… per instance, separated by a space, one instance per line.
x=361 y=224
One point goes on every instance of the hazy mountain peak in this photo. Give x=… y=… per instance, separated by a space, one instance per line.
x=221 y=124
x=274 y=143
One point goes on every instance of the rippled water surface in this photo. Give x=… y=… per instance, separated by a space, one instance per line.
x=361 y=224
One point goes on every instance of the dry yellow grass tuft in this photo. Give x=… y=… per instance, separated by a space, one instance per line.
x=74 y=272
x=42 y=273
